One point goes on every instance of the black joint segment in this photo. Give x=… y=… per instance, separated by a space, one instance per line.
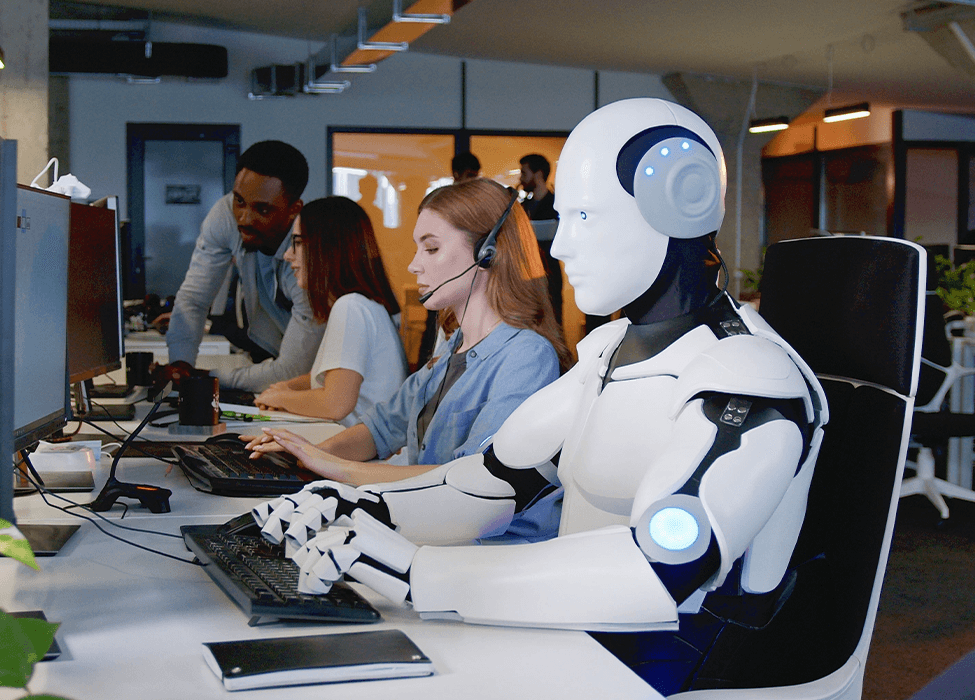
x=528 y=484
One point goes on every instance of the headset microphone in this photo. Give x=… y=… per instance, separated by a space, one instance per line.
x=423 y=297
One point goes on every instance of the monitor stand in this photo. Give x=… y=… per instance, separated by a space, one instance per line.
x=46 y=540
x=81 y=481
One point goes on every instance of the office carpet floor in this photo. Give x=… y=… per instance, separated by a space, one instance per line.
x=926 y=619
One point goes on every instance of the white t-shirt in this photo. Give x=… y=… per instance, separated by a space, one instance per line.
x=361 y=336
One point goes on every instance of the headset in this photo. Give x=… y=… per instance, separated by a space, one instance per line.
x=484 y=250
x=487 y=247
x=676 y=180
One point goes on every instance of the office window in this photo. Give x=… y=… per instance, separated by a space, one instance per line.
x=858 y=190
x=931 y=196
x=790 y=197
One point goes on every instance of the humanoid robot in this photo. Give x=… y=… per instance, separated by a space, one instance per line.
x=684 y=438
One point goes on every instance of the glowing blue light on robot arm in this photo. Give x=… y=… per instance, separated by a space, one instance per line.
x=674 y=529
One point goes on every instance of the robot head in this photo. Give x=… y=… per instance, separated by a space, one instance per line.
x=632 y=176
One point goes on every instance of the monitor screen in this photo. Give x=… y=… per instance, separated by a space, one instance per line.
x=8 y=251
x=94 y=297
x=41 y=399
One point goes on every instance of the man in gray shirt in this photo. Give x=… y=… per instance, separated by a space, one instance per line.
x=251 y=229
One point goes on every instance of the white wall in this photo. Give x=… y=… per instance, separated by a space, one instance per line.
x=407 y=90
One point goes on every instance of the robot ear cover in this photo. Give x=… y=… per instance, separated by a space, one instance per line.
x=675 y=179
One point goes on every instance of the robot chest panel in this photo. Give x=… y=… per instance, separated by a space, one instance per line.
x=624 y=427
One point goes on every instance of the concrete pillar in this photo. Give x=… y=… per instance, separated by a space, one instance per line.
x=24 y=83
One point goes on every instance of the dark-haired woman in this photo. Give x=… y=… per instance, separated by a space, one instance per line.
x=360 y=361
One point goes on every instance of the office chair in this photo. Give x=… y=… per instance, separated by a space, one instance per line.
x=931 y=426
x=852 y=307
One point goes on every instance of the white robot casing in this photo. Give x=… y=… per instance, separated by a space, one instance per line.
x=645 y=483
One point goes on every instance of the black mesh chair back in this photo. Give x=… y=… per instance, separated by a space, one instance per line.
x=852 y=308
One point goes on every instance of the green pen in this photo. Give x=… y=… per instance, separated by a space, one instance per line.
x=246 y=417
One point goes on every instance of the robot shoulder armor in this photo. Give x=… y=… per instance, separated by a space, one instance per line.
x=741 y=364
x=592 y=350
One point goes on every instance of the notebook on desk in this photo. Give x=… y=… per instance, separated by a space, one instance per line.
x=225 y=468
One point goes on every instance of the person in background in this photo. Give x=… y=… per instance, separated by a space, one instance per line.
x=465 y=166
x=250 y=228
x=360 y=362
x=503 y=345
x=540 y=206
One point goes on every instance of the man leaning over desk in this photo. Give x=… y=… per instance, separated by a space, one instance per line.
x=250 y=227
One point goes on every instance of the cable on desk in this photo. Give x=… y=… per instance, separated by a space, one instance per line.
x=133 y=446
x=45 y=492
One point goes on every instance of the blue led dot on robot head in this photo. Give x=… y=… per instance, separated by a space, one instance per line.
x=649 y=170
x=674 y=529
x=665 y=151
x=685 y=145
x=582 y=214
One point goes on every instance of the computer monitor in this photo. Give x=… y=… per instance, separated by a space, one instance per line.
x=8 y=251
x=95 y=340
x=41 y=398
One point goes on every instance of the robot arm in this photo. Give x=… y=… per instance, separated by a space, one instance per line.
x=730 y=485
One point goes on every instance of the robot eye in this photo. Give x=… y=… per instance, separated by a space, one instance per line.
x=674 y=529
x=582 y=214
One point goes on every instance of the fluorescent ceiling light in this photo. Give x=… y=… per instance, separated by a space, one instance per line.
x=840 y=114
x=760 y=126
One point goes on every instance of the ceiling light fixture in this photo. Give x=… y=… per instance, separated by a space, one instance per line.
x=839 y=114
x=326 y=87
x=761 y=126
x=364 y=44
x=400 y=16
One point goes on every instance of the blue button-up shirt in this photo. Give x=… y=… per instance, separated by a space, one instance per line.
x=503 y=370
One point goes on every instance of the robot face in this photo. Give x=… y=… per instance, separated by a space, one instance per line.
x=611 y=250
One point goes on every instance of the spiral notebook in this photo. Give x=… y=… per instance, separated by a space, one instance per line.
x=323 y=658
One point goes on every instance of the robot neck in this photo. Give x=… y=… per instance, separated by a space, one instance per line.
x=686 y=282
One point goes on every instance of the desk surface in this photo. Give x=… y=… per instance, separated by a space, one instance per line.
x=133 y=623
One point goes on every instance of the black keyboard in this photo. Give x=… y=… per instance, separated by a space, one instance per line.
x=238 y=397
x=226 y=469
x=259 y=579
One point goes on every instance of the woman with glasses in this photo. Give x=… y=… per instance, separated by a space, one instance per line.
x=360 y=361
x=503 y=343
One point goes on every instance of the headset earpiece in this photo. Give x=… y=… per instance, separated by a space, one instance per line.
x=487 y=247
x=675 y=178
x=484 y=255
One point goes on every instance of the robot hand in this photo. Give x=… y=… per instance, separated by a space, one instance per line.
x=366 y=549
x=299 y=516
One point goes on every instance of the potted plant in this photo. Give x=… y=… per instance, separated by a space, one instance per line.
x=956 y=285
x=23 y=641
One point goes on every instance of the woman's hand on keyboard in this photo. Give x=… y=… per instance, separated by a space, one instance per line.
x=259 y=444
x=312 y=457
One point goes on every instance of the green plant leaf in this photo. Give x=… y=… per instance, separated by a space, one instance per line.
x=15 y=547
x=17 y=654
x=23 y=642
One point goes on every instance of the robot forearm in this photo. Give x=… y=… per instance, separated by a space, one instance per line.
x=597 y=580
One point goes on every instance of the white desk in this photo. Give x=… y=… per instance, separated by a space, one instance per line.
x=133 y=622
x=215 y=350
